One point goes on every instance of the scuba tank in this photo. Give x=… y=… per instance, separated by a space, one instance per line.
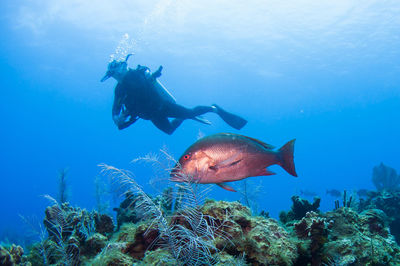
x=159 y=87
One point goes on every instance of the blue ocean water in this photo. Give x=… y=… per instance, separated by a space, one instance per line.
x=325 y=73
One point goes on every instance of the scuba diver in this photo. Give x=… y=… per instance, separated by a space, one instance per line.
x=139 y=94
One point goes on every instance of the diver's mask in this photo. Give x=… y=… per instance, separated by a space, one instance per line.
x=115 y=67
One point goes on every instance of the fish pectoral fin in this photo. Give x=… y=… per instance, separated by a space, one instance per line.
x=268 y=172
x=219 y=166
x=226 y=187
x=265 y=171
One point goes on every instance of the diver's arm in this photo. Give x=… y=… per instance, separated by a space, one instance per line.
x=124 y=119
x=116 y=109
x=119 y=116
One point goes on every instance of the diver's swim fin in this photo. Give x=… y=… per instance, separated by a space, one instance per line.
x=233 y=120
x=201 y=120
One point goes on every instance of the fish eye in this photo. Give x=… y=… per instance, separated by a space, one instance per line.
x=186 y=157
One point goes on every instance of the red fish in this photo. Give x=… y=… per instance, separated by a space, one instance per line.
x=227 y=157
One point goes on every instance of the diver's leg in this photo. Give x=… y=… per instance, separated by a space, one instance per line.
x=179 y=111
x=165 y=125
x=176 y=122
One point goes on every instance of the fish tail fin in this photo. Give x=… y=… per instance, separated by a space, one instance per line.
x=286 y=156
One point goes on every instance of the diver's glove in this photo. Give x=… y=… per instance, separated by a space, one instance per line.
x=157 y=74
x=123 y=120
x=120 y=119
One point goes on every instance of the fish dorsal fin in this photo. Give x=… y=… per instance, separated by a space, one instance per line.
x=265 y=145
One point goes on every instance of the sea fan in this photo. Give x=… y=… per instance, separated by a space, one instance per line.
x=188 y=235
x=37 y=229
x=250 y=192
x=129 y=186
x=87 y=227
x=59 y=228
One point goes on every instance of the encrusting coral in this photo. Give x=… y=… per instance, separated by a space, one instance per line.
x=136 y=238
x=299 y=209
x=127 y=211
x=389 y=203
x=361 y=239
x=263 y=241
x=73 y=234
x=314 y=228
x=14 y=255
x=111 y=255
x=345 y=237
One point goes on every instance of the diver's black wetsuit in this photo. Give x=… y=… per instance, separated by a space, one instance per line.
x=137 y=96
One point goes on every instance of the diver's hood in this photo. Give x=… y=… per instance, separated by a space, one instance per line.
x=115 y=66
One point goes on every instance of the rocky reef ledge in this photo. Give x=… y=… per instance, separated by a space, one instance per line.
x=339 y=237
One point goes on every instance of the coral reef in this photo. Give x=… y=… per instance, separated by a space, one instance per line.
x=234 y=237
x=345 y=237
x=14 y=255
x=299 y=209
x=314 y=228
x=111 y=255
x=389 y=203
x=73 y=234
x=136 y=238
x=188 y=235
x=103 y=223
x=93 y=245
x=263 y=241
x=178 y=227
x=360 y=239
x=76 y=221
x=385 y=178
x=347 y=202
x=157 y=257
x=127 y=211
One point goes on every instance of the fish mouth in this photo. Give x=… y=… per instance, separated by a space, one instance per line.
x=175 y=175
x=175 y=179
x=178 y=178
